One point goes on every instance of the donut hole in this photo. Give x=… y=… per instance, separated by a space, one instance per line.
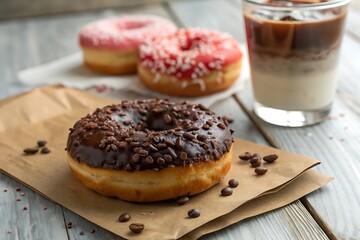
x=134 y=25
x=128 y=25
x=157 y=123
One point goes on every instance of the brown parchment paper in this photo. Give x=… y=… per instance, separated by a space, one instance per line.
x=48 y=112
x=307 y=182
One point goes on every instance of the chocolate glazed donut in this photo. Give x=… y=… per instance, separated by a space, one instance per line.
x=150 y=150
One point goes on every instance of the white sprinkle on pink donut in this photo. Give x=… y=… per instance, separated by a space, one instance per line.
x=123 y=33
x=189 y=53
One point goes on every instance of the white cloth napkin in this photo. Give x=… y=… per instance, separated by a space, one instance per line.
x=71 y=72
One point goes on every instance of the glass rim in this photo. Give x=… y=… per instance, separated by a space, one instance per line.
x=312 y=6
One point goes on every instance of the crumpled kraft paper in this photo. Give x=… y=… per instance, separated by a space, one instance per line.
x=48 y=112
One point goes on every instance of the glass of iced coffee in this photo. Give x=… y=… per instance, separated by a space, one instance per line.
x=293 y=51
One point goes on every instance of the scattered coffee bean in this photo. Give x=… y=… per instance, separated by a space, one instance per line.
x=30 y=151
x=124 y=217
x=45 y=150
x=136 y=227
x=194 y=213
x=246 y=156
x=260 y=170
x=41 y=143
x=92 y=230
x=45 y=208
x=25 y=208
x=233 y=183
x=270 y=158
x=81 y=232
x=226 y=191
x=167 y=118
x=255 y=162
x=149 y=160
x=201 y=137
x=182 y=200
x=18 y=189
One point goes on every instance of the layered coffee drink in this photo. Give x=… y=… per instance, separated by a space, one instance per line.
x=293 y=52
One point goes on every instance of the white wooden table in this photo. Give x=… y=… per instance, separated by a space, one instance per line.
x=331 y=212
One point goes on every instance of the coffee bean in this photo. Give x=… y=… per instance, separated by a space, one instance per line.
x=171 y=152
x=206 y=127
x=167 y=158
x=161 y=145
x=146 y=144
x=188 y=136
x=226 y=191
x=182 y=200
x=143 y=153
x=167 y=118
x=260 y=170
x=124 y=217
x=178 y=143
x=122 y=145
x=136 y=158
x=127 y=122
x=156 y=139
x=153 y=148
x=134 y=144
x=270 y=158
x=246 y=156
x=194 y=213
x=221 y=125
x=183 y=156
x=136 y=227
x=157 y=110
x=233 y=183
x=255 y=162
x=169 y=143
x=149 y=160
x=160 y=161
x=202 y=107
x=41 y=143
x=30 y=151
x=45 y=150
x=201 y=137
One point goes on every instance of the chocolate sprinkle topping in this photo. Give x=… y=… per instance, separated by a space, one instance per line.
x=148 y=134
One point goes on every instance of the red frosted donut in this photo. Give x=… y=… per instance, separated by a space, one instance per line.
x=190 y=62
x=111 y=45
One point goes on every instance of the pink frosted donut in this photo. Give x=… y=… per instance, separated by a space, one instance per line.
x=111 y=45
x=190 y=62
